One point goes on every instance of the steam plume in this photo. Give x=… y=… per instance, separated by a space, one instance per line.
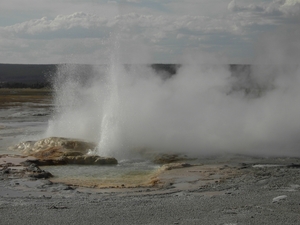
x=202 y=109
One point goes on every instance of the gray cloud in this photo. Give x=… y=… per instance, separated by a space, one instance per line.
x=276 y=8
x=168 y=28
x=158 y=31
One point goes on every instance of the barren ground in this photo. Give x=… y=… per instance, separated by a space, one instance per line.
x=216 y=190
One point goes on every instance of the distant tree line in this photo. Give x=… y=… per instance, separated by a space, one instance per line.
x=39 y=76
x=37 y=85
x=26 y=75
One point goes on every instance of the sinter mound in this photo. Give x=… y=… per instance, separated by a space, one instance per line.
x=58 y=151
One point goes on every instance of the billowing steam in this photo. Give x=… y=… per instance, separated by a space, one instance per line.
x=202 y=109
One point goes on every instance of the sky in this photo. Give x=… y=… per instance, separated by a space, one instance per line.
x=156 y=31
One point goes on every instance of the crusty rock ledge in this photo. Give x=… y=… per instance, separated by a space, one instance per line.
x=60 y=151
x=18 y=166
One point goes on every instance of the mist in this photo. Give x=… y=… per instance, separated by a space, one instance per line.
x=202 y=109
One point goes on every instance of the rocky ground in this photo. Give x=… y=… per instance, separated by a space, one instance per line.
x=217 y=190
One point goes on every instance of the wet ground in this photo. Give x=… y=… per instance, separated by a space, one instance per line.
x=24 y=113
x=24 y=116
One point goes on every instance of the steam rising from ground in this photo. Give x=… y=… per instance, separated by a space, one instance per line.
x=202 y=109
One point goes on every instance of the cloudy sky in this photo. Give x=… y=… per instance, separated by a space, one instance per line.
x=86 y=31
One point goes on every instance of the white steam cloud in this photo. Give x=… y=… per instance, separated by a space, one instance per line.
x=202 y=109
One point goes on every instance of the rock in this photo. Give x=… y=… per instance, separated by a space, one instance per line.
x=54 y=144
x=168 y=158
x=23 y=147
x=172 y=166
x=279 y=198
x=60 y=151
x=58 y=207
x=90 y=160
x=293 y=165
x=16 y=160
x=33 y=167
x=41 y=175
x=161 y=158
x=14 y=167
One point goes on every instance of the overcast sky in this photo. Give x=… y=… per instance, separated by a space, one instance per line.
x=165 y=31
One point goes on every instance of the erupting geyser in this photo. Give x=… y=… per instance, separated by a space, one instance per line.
x=201 y=109
x=110 y=123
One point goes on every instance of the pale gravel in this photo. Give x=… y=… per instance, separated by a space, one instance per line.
x=246 y=199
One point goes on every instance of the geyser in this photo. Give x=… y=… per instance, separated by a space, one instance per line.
x=201 y=109
x=110 y=139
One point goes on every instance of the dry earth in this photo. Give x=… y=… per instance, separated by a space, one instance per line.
x=218 y=190
x=18 y=96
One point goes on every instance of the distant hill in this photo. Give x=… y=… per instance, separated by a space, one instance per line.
x=21 y=75
x=39 y=76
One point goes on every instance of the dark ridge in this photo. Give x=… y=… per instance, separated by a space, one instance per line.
x=25 y=73
x=166 y=70
x=26 y=76
x=39 y=76
x=237 y=69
